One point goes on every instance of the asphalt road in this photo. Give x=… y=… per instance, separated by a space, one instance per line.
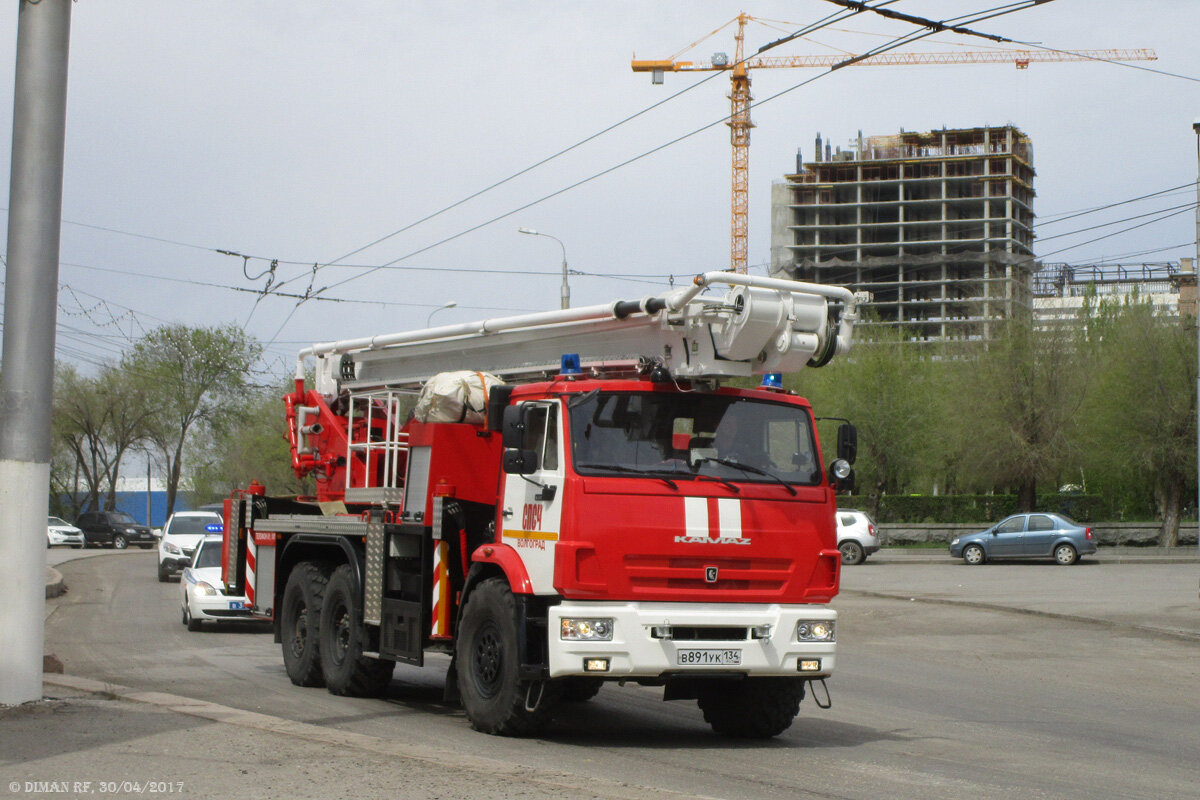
x=931 y=700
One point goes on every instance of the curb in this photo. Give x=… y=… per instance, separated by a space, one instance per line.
x=54 y=583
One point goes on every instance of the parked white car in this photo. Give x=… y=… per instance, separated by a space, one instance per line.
x=182 y=533
x=203 y=592
x=857 y=537
x=60 y=533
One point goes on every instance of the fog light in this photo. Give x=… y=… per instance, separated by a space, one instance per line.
x=587 y=630
x=809 y=665
x=815 y=631
x=595 y=665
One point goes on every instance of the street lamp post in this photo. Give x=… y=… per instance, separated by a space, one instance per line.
x=566 y=289
x=442 y=307
x=1196 y=269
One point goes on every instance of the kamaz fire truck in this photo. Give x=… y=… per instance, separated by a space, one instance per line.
x=576 y=499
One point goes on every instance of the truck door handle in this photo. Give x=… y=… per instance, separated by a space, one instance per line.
x=507 y=512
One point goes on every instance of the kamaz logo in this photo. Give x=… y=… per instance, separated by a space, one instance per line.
x=712 y=520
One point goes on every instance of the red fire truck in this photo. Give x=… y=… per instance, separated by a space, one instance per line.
x=610 y=513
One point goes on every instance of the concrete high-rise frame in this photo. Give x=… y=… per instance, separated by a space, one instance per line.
x=938 y=226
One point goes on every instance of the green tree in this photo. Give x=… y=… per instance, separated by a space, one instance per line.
x=194 y=376
x=1142 y=413
x=249 y=445
x=1018 y=414
x=97 y=421
x=885 y=387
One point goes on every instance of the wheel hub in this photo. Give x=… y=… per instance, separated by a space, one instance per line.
x=488 y=661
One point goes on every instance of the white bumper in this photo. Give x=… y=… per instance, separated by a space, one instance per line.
x=635 y=650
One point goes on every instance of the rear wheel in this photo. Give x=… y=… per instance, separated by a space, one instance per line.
x=120 y=542
x=1065 y=554
x=299 y=621
x=852 y=552
x=342 y=634
x=973 y=554
x=754 y=708
x=488 y=664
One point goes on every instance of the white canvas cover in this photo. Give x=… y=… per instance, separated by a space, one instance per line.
x=455 y=397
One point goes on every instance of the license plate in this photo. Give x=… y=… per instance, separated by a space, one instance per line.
x=708 y=658
x=236 y=605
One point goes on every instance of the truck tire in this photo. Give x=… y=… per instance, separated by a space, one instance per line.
x=342 y=634
x=299 y=621
x=755 y=708
x=488 y=665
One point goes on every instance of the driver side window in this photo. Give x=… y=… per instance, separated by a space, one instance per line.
x=1012 y=525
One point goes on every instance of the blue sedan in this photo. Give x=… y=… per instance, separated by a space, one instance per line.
x=1027 y=536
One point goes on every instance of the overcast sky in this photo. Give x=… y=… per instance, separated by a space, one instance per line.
x=301 y=131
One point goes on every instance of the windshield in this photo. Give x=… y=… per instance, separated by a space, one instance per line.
x=56 y=521
x=209 y=554
x=185 y=525
x=122 y=517
x=692 y=435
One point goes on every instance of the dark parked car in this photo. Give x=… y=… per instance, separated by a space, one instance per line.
x=1027 y=536
x=114 y=528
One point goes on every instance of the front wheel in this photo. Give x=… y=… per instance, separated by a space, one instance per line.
x=852 y=552
x=120 y=542
x=488 y=664
x=299 y=620
x=192 y=623
x=973 y=554
x=755 y=708
x=1065 y=554
x=342 y=634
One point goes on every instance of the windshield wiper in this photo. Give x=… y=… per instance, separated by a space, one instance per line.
x=632 y=471
x=755 y=470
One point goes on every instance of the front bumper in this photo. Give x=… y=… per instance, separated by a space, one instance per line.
x=65 y=539
x=636 y=651
x=218 y=607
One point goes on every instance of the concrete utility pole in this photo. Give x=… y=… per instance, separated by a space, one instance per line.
x=30 y=311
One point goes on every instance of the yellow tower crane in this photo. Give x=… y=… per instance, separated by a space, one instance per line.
x=739 y=96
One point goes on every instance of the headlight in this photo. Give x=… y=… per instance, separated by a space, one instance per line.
x=815 y=631
x=953 y=542
x=587 y=630
x=131 y=530
x=205 y=589
x=173 y=549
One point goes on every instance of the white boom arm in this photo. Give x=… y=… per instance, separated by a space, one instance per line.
x=760 y=325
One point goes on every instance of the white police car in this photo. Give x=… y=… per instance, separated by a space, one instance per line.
x=180 y=535
x=203 y=593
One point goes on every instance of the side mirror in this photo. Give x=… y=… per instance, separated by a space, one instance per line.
x=847 y=443
x=513 y=432
x=520 y=462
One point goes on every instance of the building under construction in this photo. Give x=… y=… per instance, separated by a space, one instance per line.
x=937 y=226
